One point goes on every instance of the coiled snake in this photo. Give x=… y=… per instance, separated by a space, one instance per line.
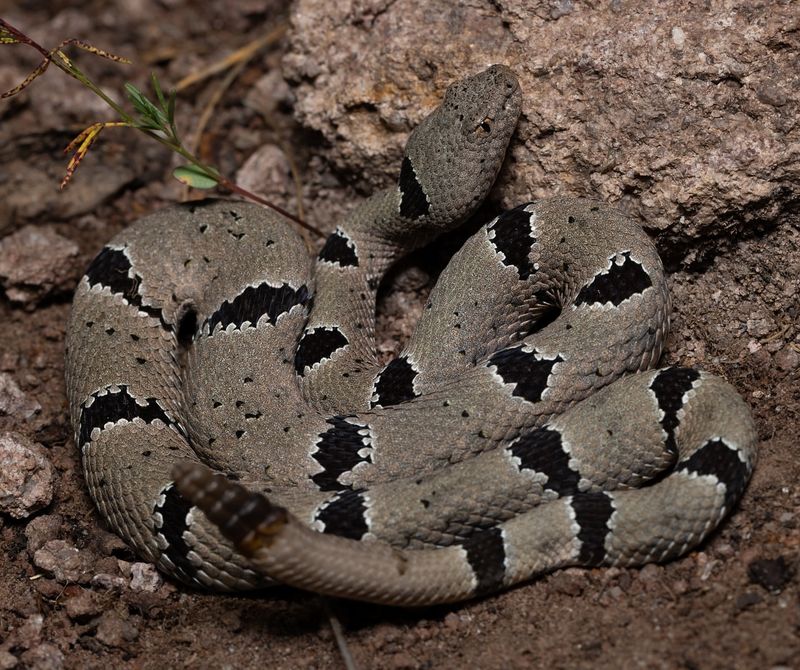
x=501 y=443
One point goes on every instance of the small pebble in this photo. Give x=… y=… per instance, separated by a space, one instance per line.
x=747 y=599
x=110 y=544
x=48 y=588
x=7 y=660
x=760 y=359
x=26 y=476
x=64 y=561
x=29 y=634
x=679 y=587
x=145 y=577
x=650 y=572
x=402 y=661
x=771 y=94
x=268 y=92
x=452 y=621
x=233 y=622
x=773 y=574
x=724 y=549
x=266 y=172
x=45 y=656
x=41 y=529
x=13 y=402
x=35 y=263
x=80 y=603
x=114 y=631
x=678 y=36
x=787 y=359
x=615 y=592
x=568 y=584
x=760 y=324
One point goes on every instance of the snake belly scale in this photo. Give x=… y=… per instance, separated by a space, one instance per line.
x=237 y=429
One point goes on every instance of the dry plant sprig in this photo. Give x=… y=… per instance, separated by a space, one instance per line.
x=154 y=119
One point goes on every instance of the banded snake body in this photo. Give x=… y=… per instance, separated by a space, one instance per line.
x=237 y=429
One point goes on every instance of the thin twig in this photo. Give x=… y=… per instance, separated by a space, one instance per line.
x=205 y=116
x=298 y=182
x=244 y=53
x=208 y=110
x=238 y=59
x=338 y=634
x=226 y=183
x=155 y=121
x=298 y=185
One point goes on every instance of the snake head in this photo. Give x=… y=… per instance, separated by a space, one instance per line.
x=484 y=107
x=454 y=155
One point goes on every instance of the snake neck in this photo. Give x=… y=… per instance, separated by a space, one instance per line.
x=349 y=270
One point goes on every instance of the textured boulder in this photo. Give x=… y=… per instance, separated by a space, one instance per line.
x=683 y=114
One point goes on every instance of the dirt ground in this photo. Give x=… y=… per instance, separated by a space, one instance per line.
x=73 y=596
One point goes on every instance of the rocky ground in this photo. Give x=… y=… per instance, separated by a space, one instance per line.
x=684 y=114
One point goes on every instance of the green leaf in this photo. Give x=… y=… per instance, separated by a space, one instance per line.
x=147 y=124
x=134 y=95
x=171 y=106
x=171 y=114
x=159 y=93
x=193 y=176
x=142 y=105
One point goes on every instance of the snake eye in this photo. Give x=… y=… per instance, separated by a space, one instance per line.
x=485 y=126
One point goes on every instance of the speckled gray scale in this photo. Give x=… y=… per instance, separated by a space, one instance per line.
x=501 y=442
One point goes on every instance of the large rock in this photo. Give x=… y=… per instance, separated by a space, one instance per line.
x=682 y=114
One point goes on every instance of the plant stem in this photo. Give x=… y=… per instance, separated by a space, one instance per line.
x=166 y=136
